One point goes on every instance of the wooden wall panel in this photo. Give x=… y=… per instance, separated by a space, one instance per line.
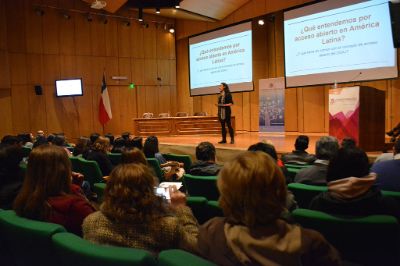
x=18 y=69
x=34 y=65
x=37 y=110
x=164 y=100
x=163 y=71
x=50 y=31
x=86 y=108
x=51 y=67
x=141 y=100
x=313 y=106
x=3 y=26
x=83 y=42
x=291 y=110
x=34 y=30
x=67 y=35
x=150 y=72
x=115 y=122
x=5 y=81
x=137 y=35
x=67 y=67
x=111 y=38
x=124 y=40
x=163 y=43
x=128 y=105
x=97 y=37
x=152 y=100
x=6 y=112
x=137 y=71
x=20 y=108
x=84 y=69
x=15 y=21
x=150 y=42
x=172 y=72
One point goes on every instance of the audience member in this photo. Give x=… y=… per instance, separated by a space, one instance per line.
x=11 y=175
x=110 y=138
x=388 y=177
x=47 y=193
x=348 y=142
x=26 y=139
x=133 y=156
x=133 y=216
x=40 y=140
x=253 y=231
x=172 y=170
x=82 y=147
x=351 y=189
x=299 y=155
x=50 y=138
x=59 y=140
x=119 y=145
x=9 y=140
x=205 y=164
x=136 y=142
x=126 y=136
x=326 y=148
x=93 y=137
x=98 y=153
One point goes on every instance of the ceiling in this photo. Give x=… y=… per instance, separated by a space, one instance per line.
x=205 y=10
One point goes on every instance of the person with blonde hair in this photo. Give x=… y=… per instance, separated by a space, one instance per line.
x=98 y=153
x=253 y=232
x=47 y=193
x=132 y=215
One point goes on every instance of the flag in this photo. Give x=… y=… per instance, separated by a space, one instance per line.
x=104 y=107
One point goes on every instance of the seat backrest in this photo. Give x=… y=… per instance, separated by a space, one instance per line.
x=74 y=250
x=91 y=171
x=181 y=114
x=163 y=115
x=182 y=158
x=177 y=257
x=75 y=164
x=148 y=115
x=155 y=165
x=370 y=240
x=28 y=242
x=304 y=194
x=392 y=194
x=115 y=158
x=200 y=114
x=99 y=188
x=198 y=205
x=213 y=209
x=204 y=186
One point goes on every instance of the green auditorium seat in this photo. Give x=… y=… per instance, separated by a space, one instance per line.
x=204 y=186
x=303 y=193
x=393 y=194
x=91 y=171
x=115 y=158
x=28 y=242
x=293 y=169
x=26 y=151
x=73 y=250
x=370 y=240
x=213 y=209
x=75 y=164
x=155 y=165
x=182 y=158
x=99 y=188
x=176 y=257
x=199 y=208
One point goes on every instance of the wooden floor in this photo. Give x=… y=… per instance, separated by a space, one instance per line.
x=283 y=143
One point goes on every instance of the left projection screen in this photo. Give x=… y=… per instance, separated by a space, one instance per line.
x=223 y=55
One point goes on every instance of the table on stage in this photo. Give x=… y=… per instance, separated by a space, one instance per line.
x=189 y=125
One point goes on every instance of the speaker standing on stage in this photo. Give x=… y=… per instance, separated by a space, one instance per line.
x=224 y=111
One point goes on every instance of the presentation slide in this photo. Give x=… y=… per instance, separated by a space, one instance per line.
x=339 y=41
x=223 y=55
x=69 y=87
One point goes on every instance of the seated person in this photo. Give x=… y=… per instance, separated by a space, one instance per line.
x=388 y=177
x=205 y=164
x=326 y=147
x=299 y=155
x=98 y=153
x=47 y=193
x=82 y=147
x=172 y=169
x=119 y=145
x=351 y=189
x=348 y=142
x=132 y=215
x=253 y=231
x=11 y=175
x=133 y=156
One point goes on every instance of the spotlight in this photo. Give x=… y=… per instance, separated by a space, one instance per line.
x=171 y=30
x=39 y=12
x=261 y=22
x=177 y=4
x=157 y=10
x=140 y=15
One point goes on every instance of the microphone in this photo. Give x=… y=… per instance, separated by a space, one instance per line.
x=356 y=76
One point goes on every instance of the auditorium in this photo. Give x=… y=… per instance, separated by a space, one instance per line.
x=212 y=132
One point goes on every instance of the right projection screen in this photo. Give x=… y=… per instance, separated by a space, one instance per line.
x=339 y=41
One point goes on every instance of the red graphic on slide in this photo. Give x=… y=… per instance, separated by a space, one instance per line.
x=344 y=125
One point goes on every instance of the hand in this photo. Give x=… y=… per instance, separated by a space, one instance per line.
x=178 y=199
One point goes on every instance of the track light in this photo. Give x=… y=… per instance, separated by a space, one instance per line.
x=177 y=4
x=157 y=10
x=140 y=16
x=261 y=22
x=171 y=30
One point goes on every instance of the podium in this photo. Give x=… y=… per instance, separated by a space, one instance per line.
x=358 y=112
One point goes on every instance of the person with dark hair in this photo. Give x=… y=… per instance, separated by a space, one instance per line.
x=47 y=193
x=205 y=164
x=98 y=153
x=299 y=155
x=82 y=147
x=119 y=145
x=326 y=148
x=50 y=138
x=26 y=139
x=132 y=215
x=351 y=189
x=254 y=231
x=224 y=112
x=40 y=140
x=126 y=136
x=388 y=177
x=11 y=175
x=348 y=142
x=172 y=169
x=93 y=137
x=110 y=138
x=59 y=140
x=9 y=140
x=136 y=142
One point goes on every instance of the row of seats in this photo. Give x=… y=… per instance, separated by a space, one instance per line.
x=29 y=242
x=178 y=114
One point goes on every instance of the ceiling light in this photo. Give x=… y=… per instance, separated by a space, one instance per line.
x=140 y=15
x=171 y=30
x=261 y=22
x=157 y=10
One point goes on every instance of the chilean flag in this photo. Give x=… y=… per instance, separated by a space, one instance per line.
x=104 y=107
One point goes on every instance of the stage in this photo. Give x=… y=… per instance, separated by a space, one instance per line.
x=284 y=143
